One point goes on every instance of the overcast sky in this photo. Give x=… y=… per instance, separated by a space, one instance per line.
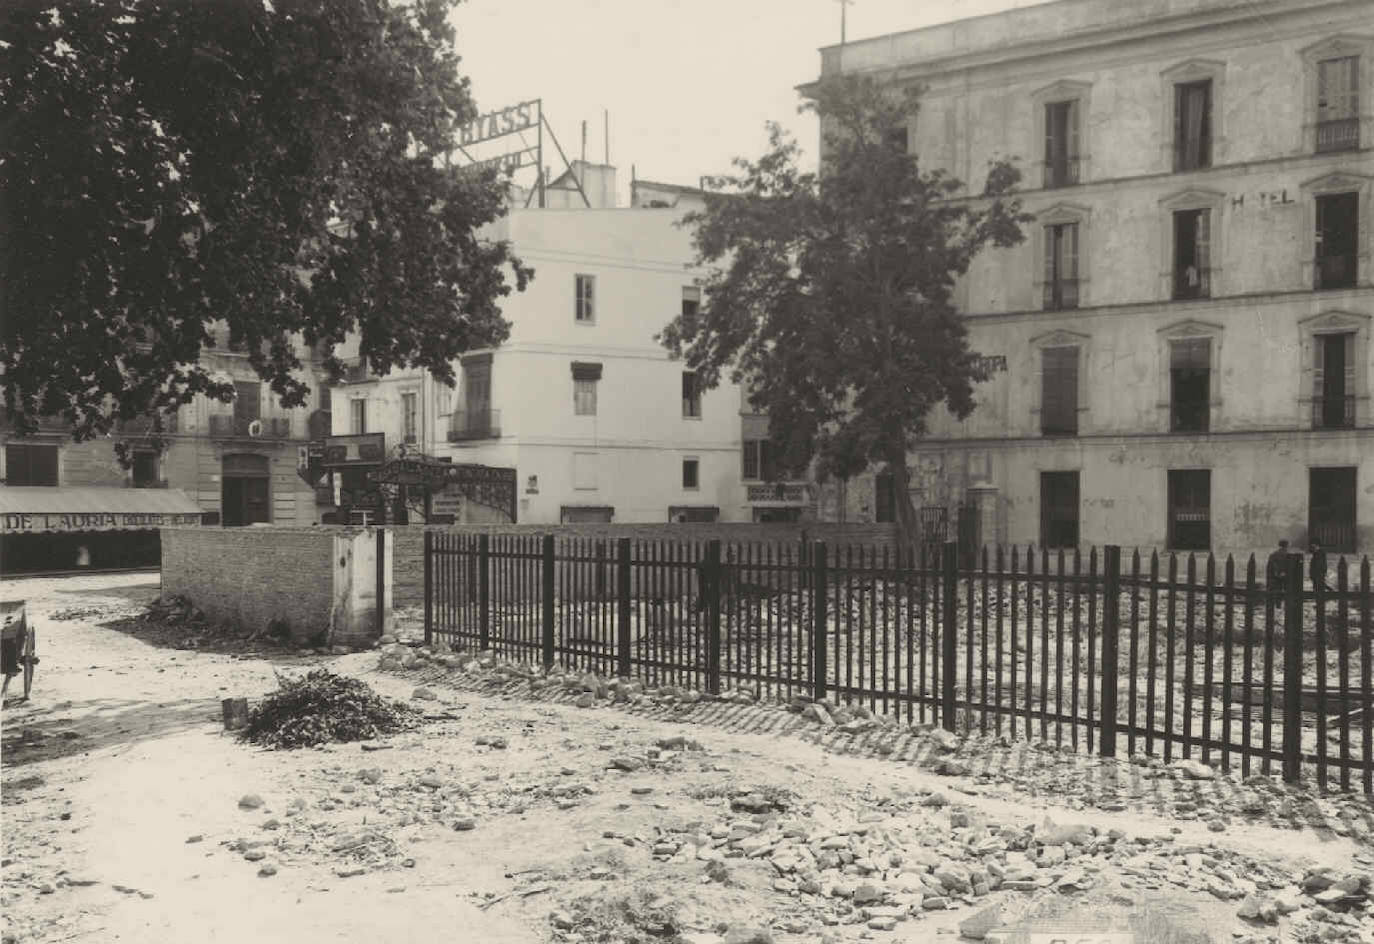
x=688 y=83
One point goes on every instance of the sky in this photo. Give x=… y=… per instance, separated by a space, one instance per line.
x=688 y=84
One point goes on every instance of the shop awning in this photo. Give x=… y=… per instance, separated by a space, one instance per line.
x=38 y=509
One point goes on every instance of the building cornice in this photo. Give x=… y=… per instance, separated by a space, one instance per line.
x=1193 y=309
x=1290 y=436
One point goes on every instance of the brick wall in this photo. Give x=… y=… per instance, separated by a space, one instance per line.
x=250 y=576
x=408 y=572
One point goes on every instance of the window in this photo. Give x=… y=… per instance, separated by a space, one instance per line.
x=1192 y=253
x=586 y=514
x=1338 y=104
x=1190 y=387
x=247 y=401
x=145 y=469
x=1333 y=381
x=585 y=286
x=1061 y=266
x=1059 y=509
x=1061 y=144
x=681 y=514
x=691 y=395
x=760 y=462
x=1331 y=509
x=691 y=300
x=1190 y=509
x=1193 y=125
x=1059 y=391
x=30 y=464
x=1337 y=240
x=358 y=417
x=585 y=377
x=885 y=497
x=477 y=386
x=689 y=474
x=409 y=415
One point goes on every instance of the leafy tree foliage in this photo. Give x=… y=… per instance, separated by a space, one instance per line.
x=276 y=165
x=829 y=295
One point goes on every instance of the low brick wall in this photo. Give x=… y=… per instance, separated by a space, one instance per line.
x=313 y=579
x=409 y=565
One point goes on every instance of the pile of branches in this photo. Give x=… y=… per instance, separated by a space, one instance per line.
x=320 y=707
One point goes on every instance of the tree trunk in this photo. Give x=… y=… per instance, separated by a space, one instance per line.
x=908 y=526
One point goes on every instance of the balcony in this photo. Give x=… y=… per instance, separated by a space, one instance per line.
x=1191 y=282
x=239 y=427
x=356 y=372
x=1335 y=271
x=1061 y=173
x=1342 y=134
x=143 y=425
x=1189 y=416
x=1333 y=413
x=466 y=425
x=1061 y=295
x=776 y=492
x=320 y=424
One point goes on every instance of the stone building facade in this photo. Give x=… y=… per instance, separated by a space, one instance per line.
x=1179 y=352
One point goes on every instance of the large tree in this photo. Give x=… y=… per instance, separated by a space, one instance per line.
x=276 y=165
x=829 y=295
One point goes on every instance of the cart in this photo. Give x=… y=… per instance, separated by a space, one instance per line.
x=18 y=646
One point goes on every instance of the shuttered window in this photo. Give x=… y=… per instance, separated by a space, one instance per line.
x=1193 y=253
x=27 y=464
x=1059 y=391
x=1333 y=381
x=1190 y=509
x=1061 y=144
x=691 y=395
x=1338 y=104
x=1193 y=125
x=1061 y=266
x=1190 y=369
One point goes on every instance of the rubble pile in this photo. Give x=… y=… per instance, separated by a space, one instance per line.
x=320 y=707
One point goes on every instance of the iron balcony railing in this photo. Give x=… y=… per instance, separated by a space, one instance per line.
x=1340 y=134
x=1335 y=271
x=143 y=425
x=467 y=425
x=356 y=372
x=1189 y=417
x=1061 y=294
x=776 y=491
x=1061 y=173
x=242 y=427
x=1333 y=413
x=1192 y=282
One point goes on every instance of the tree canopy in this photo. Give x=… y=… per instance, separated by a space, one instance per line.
x=275 y=165
x=829 y=295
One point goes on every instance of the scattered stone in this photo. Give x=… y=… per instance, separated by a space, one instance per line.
x=250 y=801
x=370 y=775
x=882 y=923
x=424 y=694
x=977 y=927
x=628 y=764
x=464 y=823
x=1258 y=908
x=748 y=936
x=196 y=838
x=585 y=700
x=267 y=871
x=562 y=921
x=867 y=894
x=1194 y=769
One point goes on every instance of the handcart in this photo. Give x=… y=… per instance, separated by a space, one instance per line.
x=18 y=646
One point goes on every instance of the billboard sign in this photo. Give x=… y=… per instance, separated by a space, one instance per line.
x=361 y=449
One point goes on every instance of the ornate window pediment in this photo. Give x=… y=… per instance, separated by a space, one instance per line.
x=1334 y=321
x=1193 y=70
x=1336 y=182
x=1333 y=47
x=1189 y=329
x=1061 y=338
x=1193 y=198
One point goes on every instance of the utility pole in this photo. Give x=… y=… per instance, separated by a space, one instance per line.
x=844 y=6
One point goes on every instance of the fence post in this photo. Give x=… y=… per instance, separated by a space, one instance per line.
x=948 y=631
x=712 y=592
x=622 y=586
x=429 y=587
x=1292 y=671
x=484 y=590
x=1111 y=630
x=820 y=619
x=381 y=582
x=546 y=599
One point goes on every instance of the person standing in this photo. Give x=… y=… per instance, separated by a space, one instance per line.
x=1276 y=573
x=1317 y=566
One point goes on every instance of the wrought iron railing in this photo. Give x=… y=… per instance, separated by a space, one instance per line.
x=1192 y=282
x=1061 y=294
x=242 y=427
x=1189 y=416
x=1333 y=412
x=1061 y=173
x=1341 y=134
x=1335 y=271
x=474 y=424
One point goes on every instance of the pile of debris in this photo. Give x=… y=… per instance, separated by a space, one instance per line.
x=174 y=609
x=320 y=707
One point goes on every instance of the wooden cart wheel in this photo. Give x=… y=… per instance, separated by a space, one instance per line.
x=29 y=659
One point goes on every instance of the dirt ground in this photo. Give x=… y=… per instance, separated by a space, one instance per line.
x=123 y=820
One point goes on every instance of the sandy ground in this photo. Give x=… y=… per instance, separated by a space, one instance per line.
x=122 y=818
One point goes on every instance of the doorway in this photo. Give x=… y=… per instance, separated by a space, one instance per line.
x=245 y=495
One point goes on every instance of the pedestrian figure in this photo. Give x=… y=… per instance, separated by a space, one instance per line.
x=1276 y=573
x=1317 y=567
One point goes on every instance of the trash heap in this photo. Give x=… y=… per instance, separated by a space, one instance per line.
x=320 y=707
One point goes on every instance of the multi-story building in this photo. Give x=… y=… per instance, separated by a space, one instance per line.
x=1180 y=349
x=221 y=463
x=581 y=401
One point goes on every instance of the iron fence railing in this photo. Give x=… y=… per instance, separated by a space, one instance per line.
x=1341 y=134
x=1333 y=412
x=1170 y=656
x=474 y=424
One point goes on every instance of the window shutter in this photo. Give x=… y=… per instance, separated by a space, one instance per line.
x=1051 y=250
x=1049 y=134
x=1318 y=374
x=1350 y=365
x=1073 y=131
x=1204 y=241
x=1179 y=145
x=1069 y=267
x=1204 y=120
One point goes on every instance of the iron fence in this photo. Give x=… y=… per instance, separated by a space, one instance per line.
x=1093 y=652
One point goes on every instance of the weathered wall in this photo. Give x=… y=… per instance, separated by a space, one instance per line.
x=314 y=579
